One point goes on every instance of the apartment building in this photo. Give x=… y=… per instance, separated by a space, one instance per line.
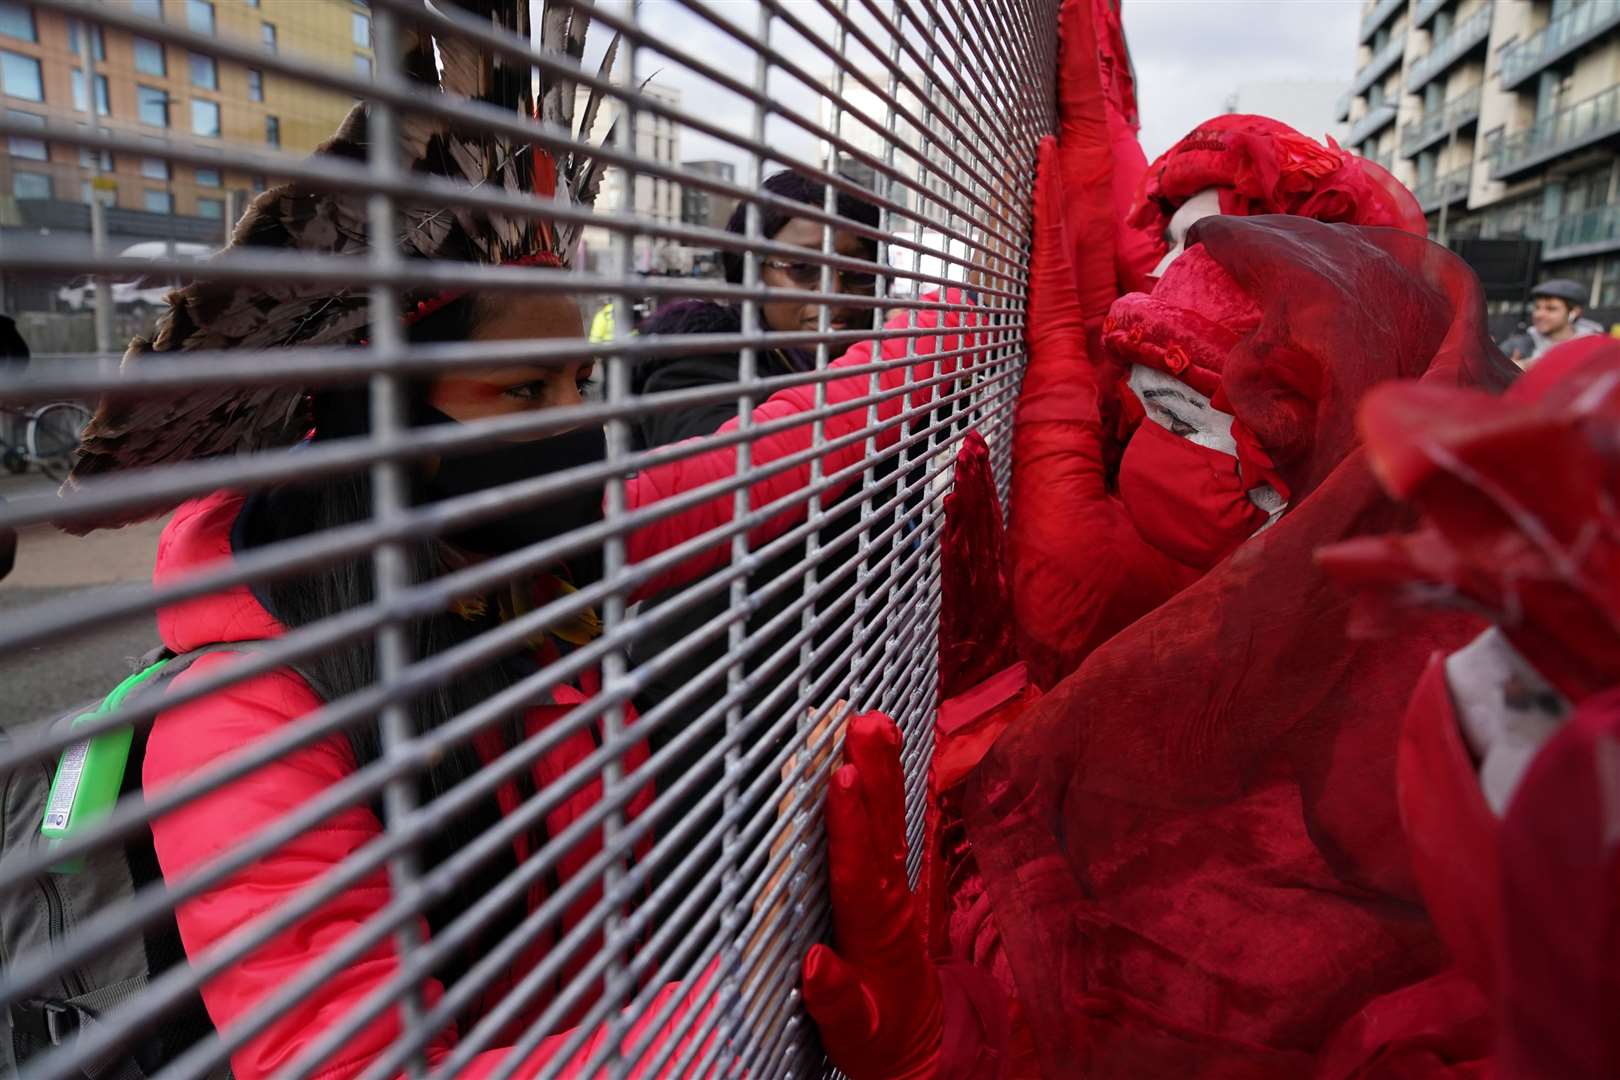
x=1503 y=117
x=656 y=198
x=700 y=206
x=53 y=67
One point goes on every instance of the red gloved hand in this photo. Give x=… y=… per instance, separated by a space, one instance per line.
x=885 y=1011
x=877 y=999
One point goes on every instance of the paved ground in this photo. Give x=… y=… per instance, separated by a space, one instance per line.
x=54 y=568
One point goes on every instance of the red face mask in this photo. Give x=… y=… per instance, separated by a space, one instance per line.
x=1185 y=499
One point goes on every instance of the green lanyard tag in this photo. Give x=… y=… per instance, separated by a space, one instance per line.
x=90 y=774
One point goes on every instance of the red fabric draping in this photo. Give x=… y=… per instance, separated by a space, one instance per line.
x=1192 y=844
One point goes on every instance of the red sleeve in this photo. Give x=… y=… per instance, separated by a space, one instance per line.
x=190 y=737
x=1085 y=156
x=1080 y=571
x=691 y=473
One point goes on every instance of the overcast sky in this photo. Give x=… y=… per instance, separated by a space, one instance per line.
x=1189 y=56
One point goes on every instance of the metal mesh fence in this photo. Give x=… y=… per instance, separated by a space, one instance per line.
x=637 y=709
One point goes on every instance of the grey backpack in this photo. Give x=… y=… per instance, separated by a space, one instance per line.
x=38 y=919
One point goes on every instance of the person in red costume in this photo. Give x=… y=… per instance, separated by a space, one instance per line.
x=1191 y=847
x=1155 y=356
x=1507 y=758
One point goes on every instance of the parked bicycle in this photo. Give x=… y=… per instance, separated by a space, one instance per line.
x=49 y=434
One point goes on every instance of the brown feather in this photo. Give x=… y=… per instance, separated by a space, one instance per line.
x=130 y=431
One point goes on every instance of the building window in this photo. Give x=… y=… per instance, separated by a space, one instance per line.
x=96 y=160
x=1609 y=296
x=200 y=16
x=101 y=94
x=76 y=39
x=204 y=72
x=17 y=20
x=205 y=118
x=255 y=85
x=362 y=29
x=20 y=76
x=258 y=183
x=152 y=106
x=149 y=58
x=208 y=178
x=267 y=32
x=155 y=168
x=159 y=202
x=151 y=9
x=211 y=208
x=30 y=185
x=21 y=146
x=362 y=66
x=252 y=3
x=272 y=130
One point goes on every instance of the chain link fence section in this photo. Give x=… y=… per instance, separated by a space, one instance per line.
x=636 y=904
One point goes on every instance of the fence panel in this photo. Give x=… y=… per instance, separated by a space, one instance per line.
x=515 y=769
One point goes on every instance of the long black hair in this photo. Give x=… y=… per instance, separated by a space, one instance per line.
x=800 y=188
x=301 y=600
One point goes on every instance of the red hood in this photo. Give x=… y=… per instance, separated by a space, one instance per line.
x=198 y=537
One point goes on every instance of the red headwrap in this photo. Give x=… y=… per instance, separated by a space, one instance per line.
x=1263 y=166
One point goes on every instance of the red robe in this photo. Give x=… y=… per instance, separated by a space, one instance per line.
x=1191 y=847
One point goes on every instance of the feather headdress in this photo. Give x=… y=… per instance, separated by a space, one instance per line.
x=131 y=432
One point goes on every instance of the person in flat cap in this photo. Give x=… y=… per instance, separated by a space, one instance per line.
x=1556 y=316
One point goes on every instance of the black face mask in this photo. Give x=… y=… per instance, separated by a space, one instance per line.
x=509 y=463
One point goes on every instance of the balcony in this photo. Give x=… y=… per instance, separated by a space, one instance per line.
x=1427 y=130
x=1568 y=129
x=1426 y=10
x=1580 y=25
x=1379 y=65
x=1468 y=35
x=1585 y=233
x=1443 y=190
x=1377 y=119
x=1341 y=108
x=1378 y=16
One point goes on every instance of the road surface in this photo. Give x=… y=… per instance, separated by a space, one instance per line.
x=53 y=568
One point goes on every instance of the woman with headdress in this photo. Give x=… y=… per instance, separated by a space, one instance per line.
x=135 y=433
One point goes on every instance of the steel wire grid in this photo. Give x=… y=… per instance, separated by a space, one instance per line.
x=940 y=105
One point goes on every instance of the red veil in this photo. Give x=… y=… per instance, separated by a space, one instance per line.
x=1191 y=844
x=1520 y=497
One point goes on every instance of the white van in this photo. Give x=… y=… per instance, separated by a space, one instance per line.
x=147 y=290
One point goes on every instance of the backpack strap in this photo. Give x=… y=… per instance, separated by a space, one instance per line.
x=179 y=662
x=61 y=1022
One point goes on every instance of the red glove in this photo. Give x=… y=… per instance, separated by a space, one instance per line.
x=1066 y=600
x=882 y=1006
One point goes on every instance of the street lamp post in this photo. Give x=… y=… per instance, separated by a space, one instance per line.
x=98 y=208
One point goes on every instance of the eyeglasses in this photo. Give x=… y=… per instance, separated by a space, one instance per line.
x=808 y=276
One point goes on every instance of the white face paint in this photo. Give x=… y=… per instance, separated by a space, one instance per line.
x=1183 y=411
x=1507 y=711
x=1206 y=203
